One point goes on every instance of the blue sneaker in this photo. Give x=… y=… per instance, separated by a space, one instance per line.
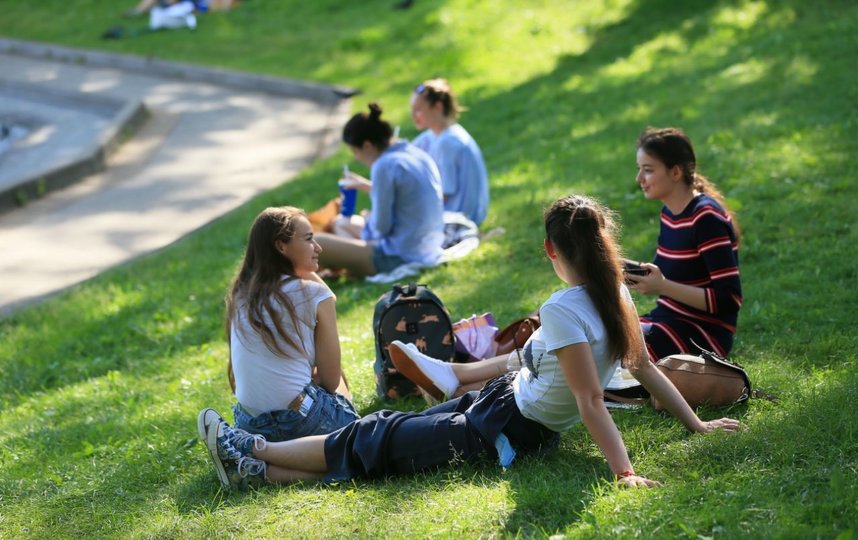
x=245 y=473
x=240 y=441
x=228 y=447
x=208 y=426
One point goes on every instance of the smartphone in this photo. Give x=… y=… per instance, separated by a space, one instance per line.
x=633 y=268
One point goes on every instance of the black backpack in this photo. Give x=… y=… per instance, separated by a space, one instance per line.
x=411 y=314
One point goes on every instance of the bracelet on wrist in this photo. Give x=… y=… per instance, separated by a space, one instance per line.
x=625 y=474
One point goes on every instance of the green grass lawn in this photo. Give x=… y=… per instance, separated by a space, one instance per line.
x=100 y=386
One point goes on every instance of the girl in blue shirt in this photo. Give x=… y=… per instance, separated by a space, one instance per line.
x=405 y=224
x=463 y=171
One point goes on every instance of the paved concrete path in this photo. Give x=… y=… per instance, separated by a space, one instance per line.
x=204 y=150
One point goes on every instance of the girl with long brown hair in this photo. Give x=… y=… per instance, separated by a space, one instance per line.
x=283 y=340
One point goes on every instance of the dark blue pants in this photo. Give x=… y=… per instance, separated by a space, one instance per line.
x=465 y=428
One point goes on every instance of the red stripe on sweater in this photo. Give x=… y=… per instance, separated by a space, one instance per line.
x=714 y=346
x=738 y=299
x=724 y=273
x=672 y=336
x=677 y=254
x=690 y=221
x=711 y=305
x=670 y=304
x=715 y=243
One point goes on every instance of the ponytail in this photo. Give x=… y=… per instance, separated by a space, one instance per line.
x=583 y=233
x=370 y=127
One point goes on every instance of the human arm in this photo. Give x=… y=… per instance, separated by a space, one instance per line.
x=328 y=366
x=654 y=282
x=712 y=246
x=383 y=199
x=579 y=368
x=352 y=180
x=448 y=158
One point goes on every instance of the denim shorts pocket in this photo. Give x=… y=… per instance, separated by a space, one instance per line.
x=335 y=412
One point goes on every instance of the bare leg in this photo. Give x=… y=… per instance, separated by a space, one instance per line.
x=279 y=475
x=480 y=372
x=144 y=5
x=465 y=388
x=302 y=456
x=348 y=227
x=338 y=252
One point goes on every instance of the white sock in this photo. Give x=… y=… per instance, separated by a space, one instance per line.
x=440 y=373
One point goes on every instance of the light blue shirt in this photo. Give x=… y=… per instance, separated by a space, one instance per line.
x=464 y=177
x=424 y=140
x=407 y=208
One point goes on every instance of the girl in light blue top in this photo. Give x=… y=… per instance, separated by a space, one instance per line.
x=405 y=224
x=463 y=171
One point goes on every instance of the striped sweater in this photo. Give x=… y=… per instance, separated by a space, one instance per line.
x=698 y=247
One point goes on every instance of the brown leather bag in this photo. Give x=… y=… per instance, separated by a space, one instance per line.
x=516 y=334
x=705 y=379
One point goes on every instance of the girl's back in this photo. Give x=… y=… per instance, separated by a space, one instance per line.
x=265 y=380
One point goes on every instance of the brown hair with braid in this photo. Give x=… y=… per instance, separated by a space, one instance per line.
x=673 y=147
x=257 y=288
x=582 y=232
x=439 y=90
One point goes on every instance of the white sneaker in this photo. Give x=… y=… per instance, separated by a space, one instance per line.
x=434 y=376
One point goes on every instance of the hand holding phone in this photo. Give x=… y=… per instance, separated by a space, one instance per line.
x=633 y=268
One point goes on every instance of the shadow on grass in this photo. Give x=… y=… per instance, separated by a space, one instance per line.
x=127 y=465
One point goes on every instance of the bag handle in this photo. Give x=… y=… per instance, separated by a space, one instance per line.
x=409 y=289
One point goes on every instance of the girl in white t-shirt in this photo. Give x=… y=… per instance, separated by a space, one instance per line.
x=588 y=327
x=282 y=328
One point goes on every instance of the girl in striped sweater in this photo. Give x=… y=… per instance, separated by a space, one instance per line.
x=695 y=272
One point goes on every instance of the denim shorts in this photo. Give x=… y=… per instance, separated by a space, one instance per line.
x=328 y=413
x=385 y=263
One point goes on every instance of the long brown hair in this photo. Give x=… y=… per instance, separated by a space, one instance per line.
x=583 y=232
x=258 y=285
x=673 y=147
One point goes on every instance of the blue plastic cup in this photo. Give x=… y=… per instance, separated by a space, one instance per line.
x=349 y=201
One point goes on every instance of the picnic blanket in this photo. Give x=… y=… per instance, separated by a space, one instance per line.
x=461 y=237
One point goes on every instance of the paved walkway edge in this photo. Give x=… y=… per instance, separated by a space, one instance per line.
x=129 y=116
x=322 y=93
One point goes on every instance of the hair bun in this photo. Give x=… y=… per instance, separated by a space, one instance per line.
x=374 y=111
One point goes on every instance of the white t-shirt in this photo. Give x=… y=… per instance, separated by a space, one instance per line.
x=541 y=392
x=266 y=381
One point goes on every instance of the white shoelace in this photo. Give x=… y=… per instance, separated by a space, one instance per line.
x=250 y=466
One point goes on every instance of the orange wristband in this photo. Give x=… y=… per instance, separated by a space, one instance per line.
x=625 y=474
